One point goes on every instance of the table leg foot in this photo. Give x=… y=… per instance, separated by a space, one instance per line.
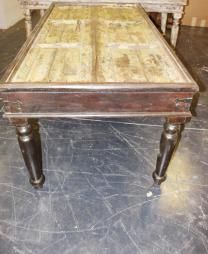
x=158 y=179
x=31 y=154
x=168 y=142
x=38 y=183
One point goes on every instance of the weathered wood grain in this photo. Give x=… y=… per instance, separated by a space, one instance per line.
x=112 y=43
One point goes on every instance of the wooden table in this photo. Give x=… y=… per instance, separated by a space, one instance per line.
x=96 y=61
x=175 y=7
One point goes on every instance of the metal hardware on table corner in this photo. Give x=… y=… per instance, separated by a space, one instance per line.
x=13 y=106
x=185 y=101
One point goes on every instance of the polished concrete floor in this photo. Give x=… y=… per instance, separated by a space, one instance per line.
x=99 y=196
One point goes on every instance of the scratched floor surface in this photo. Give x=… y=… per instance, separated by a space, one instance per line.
x=98 y=197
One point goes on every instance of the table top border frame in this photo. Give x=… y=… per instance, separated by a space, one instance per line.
x=142 y=87
x=165 y=2
x=7 y=84
x=96 y=115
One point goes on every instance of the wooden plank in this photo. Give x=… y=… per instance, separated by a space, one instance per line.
x=110 y=43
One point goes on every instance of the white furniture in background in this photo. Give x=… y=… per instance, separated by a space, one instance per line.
x=164 y=7
x=10 y=13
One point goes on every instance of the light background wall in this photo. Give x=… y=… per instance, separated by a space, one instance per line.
x=196 y=13
x=10 y=13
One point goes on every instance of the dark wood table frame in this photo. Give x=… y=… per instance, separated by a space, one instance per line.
x=24 y=101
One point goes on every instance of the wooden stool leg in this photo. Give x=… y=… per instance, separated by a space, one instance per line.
x=28 y=22
x=175 y=28
x=164 y=17
x=31 y=154
x=168 y=142
x=42 y=12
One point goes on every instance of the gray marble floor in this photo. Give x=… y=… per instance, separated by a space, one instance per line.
x=99 y=196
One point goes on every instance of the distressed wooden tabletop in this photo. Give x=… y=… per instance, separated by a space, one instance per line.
x=105 y=43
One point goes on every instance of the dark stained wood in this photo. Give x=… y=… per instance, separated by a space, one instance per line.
x=178 y=120
x=25 y=100
x=168 y=142
x=92 y=101
x=30 y=152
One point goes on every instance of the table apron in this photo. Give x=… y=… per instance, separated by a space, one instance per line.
x=168 y=8
x=97 y=102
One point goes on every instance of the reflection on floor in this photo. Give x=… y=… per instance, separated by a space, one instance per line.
x=98 y=196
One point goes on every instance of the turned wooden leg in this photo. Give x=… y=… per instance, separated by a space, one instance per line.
x=28 y=22
x=164 y=17
x=30 y=152
x=175 y=28
x=42 y=12
x=168 y=142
